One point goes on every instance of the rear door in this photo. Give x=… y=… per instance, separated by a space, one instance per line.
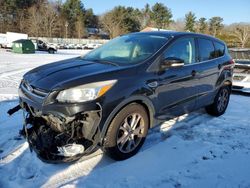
x=207 y=72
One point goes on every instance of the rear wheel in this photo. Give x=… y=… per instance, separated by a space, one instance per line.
x=126 y=133
x=220 y=102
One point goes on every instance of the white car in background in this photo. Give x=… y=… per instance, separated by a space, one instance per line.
x=92 y=45
x=241 y=77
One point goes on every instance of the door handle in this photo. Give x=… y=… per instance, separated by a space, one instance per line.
x=193 y=73
x=219 y=66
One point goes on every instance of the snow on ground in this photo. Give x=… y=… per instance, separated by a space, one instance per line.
x=13 y=66
x=194 y=150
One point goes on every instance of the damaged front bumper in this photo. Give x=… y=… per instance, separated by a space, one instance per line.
x=60 y=133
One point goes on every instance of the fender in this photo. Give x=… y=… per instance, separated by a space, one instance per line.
x=141 y=99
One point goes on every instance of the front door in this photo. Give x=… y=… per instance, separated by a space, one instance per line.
x=176 y=91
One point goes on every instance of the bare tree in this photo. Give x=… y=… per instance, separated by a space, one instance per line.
x=242 y=34
x=42 y=21
x=34 y=22
x=49 y=20
x=178 y=25
x=21 y=20
x=112 y=24
x=145 y=17
x=79 y=25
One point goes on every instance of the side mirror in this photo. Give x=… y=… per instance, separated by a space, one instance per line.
x=172 y=62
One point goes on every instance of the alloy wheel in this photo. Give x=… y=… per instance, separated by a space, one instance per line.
x=130 y=133
x=223 y=99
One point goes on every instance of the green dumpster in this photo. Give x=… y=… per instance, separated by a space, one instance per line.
x=23 y=46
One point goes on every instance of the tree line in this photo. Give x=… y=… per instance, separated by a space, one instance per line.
x=46 y=18
x=69 y=19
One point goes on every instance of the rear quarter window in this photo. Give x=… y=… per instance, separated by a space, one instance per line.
x=206 y=49
x=219 y=49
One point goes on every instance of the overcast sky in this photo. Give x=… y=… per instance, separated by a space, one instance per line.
x=231 y=10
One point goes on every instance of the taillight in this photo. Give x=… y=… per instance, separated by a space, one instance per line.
x=230 y=65
x=232 y=62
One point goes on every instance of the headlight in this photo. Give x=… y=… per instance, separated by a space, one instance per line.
x=85 y=92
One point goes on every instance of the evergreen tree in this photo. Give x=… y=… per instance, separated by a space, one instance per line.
x=202 y=24
x=215 y=25
x=72 y=11
x=161 y=16
x=190 y=22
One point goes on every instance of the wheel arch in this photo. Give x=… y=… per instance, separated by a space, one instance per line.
x=225 y=78
x=142 y=100
x=228 y=83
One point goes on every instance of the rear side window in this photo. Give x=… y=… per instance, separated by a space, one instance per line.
x=184 y=49
x=206 y=49
x=219 y=49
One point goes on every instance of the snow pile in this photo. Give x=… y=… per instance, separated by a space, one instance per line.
x=194 y=150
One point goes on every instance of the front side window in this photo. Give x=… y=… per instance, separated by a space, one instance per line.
x=183 y=49
x=206 y=49
x=128 y=49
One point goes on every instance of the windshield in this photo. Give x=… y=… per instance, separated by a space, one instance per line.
x=128 y=49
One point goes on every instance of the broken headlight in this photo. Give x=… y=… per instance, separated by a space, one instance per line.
x=85 y=92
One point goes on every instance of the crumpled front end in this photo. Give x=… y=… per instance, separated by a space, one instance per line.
x=61 y=139
x=58 y=132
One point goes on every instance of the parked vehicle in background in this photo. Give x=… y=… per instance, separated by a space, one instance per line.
x=241 y=77
x=3 y=40
x=111 y=97
x=61 y=46
x=10 y=37
x=92 y=45
x=70 y=46
x=42 y=46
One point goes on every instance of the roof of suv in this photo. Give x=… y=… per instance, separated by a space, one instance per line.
x=176 y=33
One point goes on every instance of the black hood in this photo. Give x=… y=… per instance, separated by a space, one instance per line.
x=55 y=75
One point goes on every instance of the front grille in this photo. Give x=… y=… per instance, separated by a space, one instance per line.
x=37 y=92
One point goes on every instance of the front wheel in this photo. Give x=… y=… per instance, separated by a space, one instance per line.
x=126 y=133
x=51 y=51
x=220 y=103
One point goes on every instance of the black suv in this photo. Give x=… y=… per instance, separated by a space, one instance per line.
x=110 y=97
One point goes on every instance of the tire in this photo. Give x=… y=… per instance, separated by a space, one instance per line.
x=220 y=103
x=124 y=138
x=51 y=51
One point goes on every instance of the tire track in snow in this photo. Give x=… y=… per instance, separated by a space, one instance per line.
x=13 y=154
